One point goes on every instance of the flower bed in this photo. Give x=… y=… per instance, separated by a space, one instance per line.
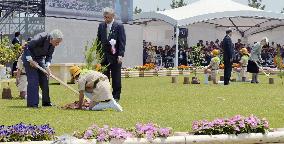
x=23 y=132
x=184 y=70
x=149 y=131
x=235 y=125
x=238 y=129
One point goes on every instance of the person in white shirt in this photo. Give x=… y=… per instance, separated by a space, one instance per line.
x=255 y=59
x=96 y=87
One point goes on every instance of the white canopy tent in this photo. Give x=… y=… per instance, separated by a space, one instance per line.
x=246 y=20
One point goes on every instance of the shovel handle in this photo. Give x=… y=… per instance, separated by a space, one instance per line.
x=59 y=80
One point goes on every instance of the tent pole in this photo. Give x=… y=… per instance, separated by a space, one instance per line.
x=176 y=55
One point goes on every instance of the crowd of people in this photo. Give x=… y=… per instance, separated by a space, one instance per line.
x=165 y=56
x=80 y=5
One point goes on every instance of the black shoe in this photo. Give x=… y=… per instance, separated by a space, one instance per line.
x=117 y=100
x=47 y=104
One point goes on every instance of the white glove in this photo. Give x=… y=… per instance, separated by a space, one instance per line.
x=112 y=42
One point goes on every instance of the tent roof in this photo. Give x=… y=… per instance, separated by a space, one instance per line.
x=221 y=13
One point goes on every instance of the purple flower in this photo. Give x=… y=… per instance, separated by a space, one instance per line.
x=164 y=132
x=149 y=135
x=119 y=133
x=242 y=124
x=195 y=125
x=88 y=134
x=265 y=123
x=218 y=122
x=236 y=128
x=102 y=137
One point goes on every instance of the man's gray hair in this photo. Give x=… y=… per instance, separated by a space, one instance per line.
x=108 y=10
x=56 y=34
x=266 y=39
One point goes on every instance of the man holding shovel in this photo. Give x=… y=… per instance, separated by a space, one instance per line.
x=38 y=52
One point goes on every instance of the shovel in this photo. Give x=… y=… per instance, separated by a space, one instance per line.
x=59 y=80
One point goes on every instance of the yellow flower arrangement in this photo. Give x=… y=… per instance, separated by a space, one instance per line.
x=149 y=66
x=221 y=66
x=183 y=67
x=9 y=52
x=236 y=65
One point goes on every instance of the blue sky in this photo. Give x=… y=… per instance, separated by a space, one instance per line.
x=151 y=5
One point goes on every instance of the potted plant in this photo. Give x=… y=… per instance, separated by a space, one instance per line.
x=195 y=56
x=184 y=70
x=94 y=57
x=147 y=70
x=8 y=54
x=278 y=62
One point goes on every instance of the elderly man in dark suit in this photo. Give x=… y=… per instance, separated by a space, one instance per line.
x=38 y=52
x=228 y=48
x=111 y=36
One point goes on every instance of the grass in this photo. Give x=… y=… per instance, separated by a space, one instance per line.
x=155 y=99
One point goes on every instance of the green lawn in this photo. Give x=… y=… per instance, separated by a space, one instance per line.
x=157 y=100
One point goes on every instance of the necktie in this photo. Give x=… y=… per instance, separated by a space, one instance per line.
x=108 y=30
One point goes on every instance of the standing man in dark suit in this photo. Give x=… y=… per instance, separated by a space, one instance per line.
x=16 y=39
x=111 y=36
x=39 y=52
x=228 y=56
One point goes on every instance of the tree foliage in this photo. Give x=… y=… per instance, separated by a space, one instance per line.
x=195 y=56
x=94 y=56
x=256 y=4
x=9 y=52
x=177 y=3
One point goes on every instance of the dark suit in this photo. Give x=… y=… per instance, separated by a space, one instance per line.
x=228 y=58
x=16 y=41
x=117 y=33
x=40 y=49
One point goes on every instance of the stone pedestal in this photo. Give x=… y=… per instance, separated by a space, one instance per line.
x=271 y=80
x=186 y=80
x=174 y=79
x=209 y=78
x=221 y=78
x=6 y=93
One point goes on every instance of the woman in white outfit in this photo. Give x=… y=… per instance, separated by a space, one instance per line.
x=255 y=59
